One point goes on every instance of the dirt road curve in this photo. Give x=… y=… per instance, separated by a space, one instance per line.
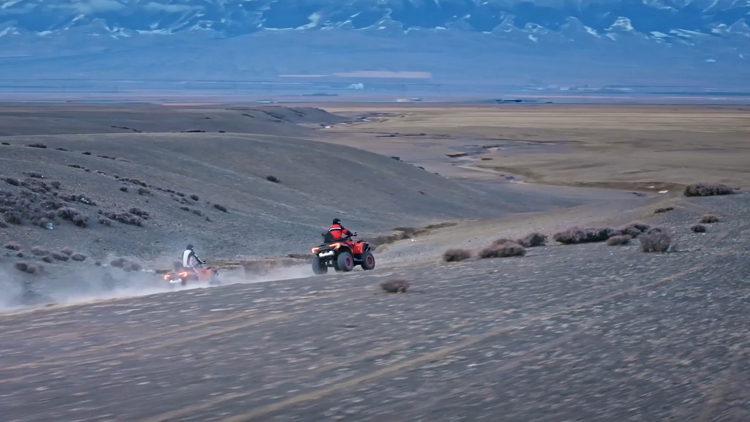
x=591 y=333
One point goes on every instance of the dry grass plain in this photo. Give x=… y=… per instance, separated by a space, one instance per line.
x=612 y=146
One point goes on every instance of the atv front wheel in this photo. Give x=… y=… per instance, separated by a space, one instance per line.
x=319 y=267
x=345 y=261
x=368 y=261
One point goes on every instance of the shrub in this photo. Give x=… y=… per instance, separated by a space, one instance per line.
x=505 y=250
x=143 y=191
x=698 y=228
x=48 y=259
x=456 y=255
x=502 y=241
x=60 y=256
x=619 y=240
x=124 y=189
x=707 y=189
x=663 y=210
x=55 y=184
x=36 y=145
x=220 y=207
x=194 y=197
x=14 y=246
x=12 y=217
x=12 y=181
x=533 y=240
x=273 y=179
x=634 y=229
x=67 y=251
x=655 y=242
x=29 y=268
x=584 y=235
x=395 y=286
x=709 y=219
x=39 y=251
x=78 y=257
x=139 y=212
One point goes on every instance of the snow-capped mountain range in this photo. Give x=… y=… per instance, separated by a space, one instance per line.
x=421 y=35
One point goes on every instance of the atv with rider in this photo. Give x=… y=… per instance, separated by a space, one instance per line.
x=342 y=255
x=181 y=275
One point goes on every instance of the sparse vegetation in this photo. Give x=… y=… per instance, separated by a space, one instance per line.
x=12 y=181
x=708 y=189
x=709 y=219
x=273 y=179
x=124 y=189
x=37 y=145
x=456 y=255
x=13 y=217
x=395 y=286
x=139 y=212
x=507 y=249
x=576 y=235
x=75 y=217
x=698 y=228
x=619 y=240
x=55 y=184
x=143 y=191
x=78 y=257
x=67 y=251
x=663 y=210
x=634 y=229
x=39 y=251
x=28 y=267
x=60 y=256
x=220 y=207
x=14 y=246
x=533 y=240
x=194 y=197
x=655 y=241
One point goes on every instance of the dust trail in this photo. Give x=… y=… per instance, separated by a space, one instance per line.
x=67 y=284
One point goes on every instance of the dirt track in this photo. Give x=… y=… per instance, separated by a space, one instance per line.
x=588 y=332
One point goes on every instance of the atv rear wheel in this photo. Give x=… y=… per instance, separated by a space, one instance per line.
x=345 y=261
x=368 y=261
x=319 y=267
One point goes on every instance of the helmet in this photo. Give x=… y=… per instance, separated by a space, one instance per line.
x=336 y=221
x=190 y=247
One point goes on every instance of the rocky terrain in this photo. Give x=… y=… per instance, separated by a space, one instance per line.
x=583 y=331
x=140 y=182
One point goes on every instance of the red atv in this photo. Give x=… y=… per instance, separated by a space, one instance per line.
x=342 y=255
x=181 y=275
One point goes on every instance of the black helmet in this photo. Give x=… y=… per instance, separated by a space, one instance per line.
x=336 y=221
x=190 y=247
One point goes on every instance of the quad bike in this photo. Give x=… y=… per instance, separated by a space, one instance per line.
x=181 y=275
x=342 y=255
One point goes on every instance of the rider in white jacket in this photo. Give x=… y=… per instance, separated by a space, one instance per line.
x=190 y=259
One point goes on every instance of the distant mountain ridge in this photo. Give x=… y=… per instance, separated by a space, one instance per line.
x=692 y=33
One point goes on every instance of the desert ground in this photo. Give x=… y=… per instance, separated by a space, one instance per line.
x=595 y=331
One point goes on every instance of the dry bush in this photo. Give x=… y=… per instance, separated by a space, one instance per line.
x=28 y=267
x=220 y=207
x=456 y=255
x=34 y=175
x=48 y=259
x=576 y=235
x=60 y=256
x=502 y=241
x=55 y=184
x=36 y=145
x=78 y=257
x=106 y=222
x=73 y=216
x=139 y=212
x=273 y=179
x=39 y=251
x=634 y=229
x=14 y=246
x=124 y=189
x=663 y=210
x=619 y=240
x=708 y=189
x=67 y=251
x=194 y=197
x=395 y=286
x=533 y=240
x=656 y=241
x=12 y=217
x=12 y=181
x=698 y=228
x=143 y=191
x=505 y=250
x=709 y=219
